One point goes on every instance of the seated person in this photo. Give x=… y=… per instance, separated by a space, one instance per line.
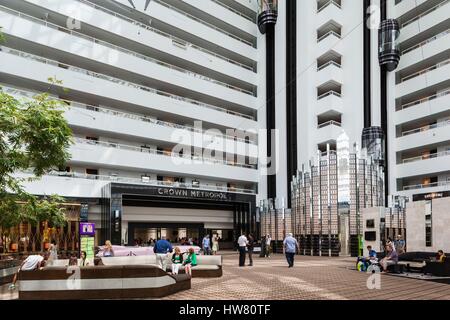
x=73 y=260
x=364 y=262
x=33 y=262
x=191 y=261
x=390 y=259
x=440 y=257
x=177 y=260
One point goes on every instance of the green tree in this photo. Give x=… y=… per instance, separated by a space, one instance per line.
x=34 y=137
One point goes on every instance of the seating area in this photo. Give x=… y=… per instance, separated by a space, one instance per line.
x=7 y=270
x=100 y=282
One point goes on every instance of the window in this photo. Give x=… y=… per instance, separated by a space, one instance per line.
x=370 y=223
x=370 y=236
x=145 y=178
x=92 y=140
x=428 y=224
x=195 y=183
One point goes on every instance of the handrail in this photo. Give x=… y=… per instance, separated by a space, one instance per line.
x=429 y=185
x=112 y=178
x=121 y=49
x=327 y=34
x=121 y=82
x=327 y=4
x=234 y=10
x=419 y=101
x=427 y=157
x=328 y=123
x=163 y=153
x=122 y=114
x=162 y=33
x=329 y=93
x=425 y=42
x=204 y=22
x=426 y=128
x=424 y=13
x=423 y=71
x=328 y=64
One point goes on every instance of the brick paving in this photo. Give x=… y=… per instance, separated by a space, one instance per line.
x=312 y=278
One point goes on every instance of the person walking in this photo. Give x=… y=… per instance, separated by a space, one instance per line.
x=250 y=246
x=206 y=245
x=53 y=250
x=290 y=245
x=268 y=244
x=162 y=249
x=242 y=242
x=399 y=244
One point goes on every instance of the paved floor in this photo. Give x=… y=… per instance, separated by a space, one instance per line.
x=311 y=278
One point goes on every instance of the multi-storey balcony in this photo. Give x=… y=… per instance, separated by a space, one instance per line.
x=99 y=86
x=327 y=132
x=77 y=185
x=173 y=21
x=435 y=75
x=125 y=63
x=230 y=20
x=428 y=164
x=429 y=135
x=100 y=22
x=425 y=24
x=327 y=9
x=330 y=101
x=133 y=125
x=330 y=71
x=405 y=10
x=329 y=41
x=86 y=152
x=428 y=106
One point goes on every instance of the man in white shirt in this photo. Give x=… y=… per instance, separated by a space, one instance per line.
x=242 y=242
x=33 y=262
x=268 y=243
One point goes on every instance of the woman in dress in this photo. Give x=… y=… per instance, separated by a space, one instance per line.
x=215 y=245
x=53 y=250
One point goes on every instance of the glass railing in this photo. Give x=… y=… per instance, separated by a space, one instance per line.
x=427 y=157
x=145 y=181
x=422 y=72
x=423 y=43
x=325 y=5
x=204 y=22
x=123 y=50
x=329 y=93
x=329 y=33
x=329 y=123
x=167 y=35
x=425 y=13
x=426 y=128
x=427 y=185
x=128 y=115
x=145 y=149
x=119 y=81
x=329 y=63
x=419 y=101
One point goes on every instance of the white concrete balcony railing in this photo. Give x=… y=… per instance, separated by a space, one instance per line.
x=168 y=154
x=329 y=93
x=423 y=100
x=329 y=33
x=146 y=181
x=426 y=186
x=425 y=71
x=234 y=11
x=119 y=81
x=204 y=22
x=325 y=5
x=425 y=42
x=123 y=50
x=330 y=71
x=329 y=123
x=427 y=157
x=175 y=40
x=127 y=115
x=330 y=102
x=404 y=24
x=426 y=128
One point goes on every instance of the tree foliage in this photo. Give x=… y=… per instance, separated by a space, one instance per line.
x=34 y=137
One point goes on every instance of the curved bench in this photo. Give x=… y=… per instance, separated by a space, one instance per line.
x=100 y=282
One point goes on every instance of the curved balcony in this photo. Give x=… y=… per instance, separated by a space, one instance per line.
x=123 y=50
x=428 y=185
x=162 y=153
x=119 y=81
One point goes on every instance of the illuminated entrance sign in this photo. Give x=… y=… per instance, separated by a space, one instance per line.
x=198 y=194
